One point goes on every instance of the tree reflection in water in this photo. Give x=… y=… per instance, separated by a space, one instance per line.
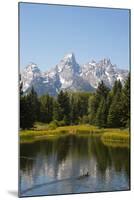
x=71 y=156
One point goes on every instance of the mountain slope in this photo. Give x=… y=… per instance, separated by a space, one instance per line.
x=69 y=75
x=103 y=70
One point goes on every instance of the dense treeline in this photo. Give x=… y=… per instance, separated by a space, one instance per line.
x=104 y=108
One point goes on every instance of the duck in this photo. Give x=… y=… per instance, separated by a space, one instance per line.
x=84 y=175
x=87 y=174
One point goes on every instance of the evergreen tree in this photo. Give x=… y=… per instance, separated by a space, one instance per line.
x=115 y=112
x=28 y=109
x=57 y=115
x=35 y=105
x=26 y=113
x=98 y=107
x=46 y=108
x=126 y=102
x=74 y=109
x=101 y=116
x=92 y=108
x=64 y=103
x=117 y=87
x=82 y=104
x=115 y=115
x=79 y=106
x=102 y=90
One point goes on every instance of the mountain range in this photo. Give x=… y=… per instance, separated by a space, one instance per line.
x=71 y=76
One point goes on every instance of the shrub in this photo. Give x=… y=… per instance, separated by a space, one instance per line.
x=84 y=119
x=61 y=123
x=53 y=124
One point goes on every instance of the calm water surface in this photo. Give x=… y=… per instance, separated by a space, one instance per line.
x=57 y=166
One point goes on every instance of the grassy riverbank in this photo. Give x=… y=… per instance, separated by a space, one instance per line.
x=115 y=137
x=43 y=131
x=110 y=137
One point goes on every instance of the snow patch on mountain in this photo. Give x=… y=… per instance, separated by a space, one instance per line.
x=69 y=75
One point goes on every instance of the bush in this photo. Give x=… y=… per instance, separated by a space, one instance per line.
x=53 y=124
x=84 y=120
x=61 y=123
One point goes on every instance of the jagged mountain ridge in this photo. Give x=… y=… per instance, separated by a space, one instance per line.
x=69 y=75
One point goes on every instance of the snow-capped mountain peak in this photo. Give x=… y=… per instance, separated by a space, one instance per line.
x=105 y=61
x=69 y=75
x=69 y=56
x=68 y=62
x=32 y=67
x=67 y=69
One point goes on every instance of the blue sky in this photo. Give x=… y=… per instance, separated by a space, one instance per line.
x=48 y=32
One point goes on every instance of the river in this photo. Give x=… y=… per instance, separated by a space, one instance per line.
x=72 y=164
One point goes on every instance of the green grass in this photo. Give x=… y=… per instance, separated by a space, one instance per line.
x=42 y=131
x=110 y=137
x=116 y=137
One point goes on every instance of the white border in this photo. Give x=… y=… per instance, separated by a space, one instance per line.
x=9 y=98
